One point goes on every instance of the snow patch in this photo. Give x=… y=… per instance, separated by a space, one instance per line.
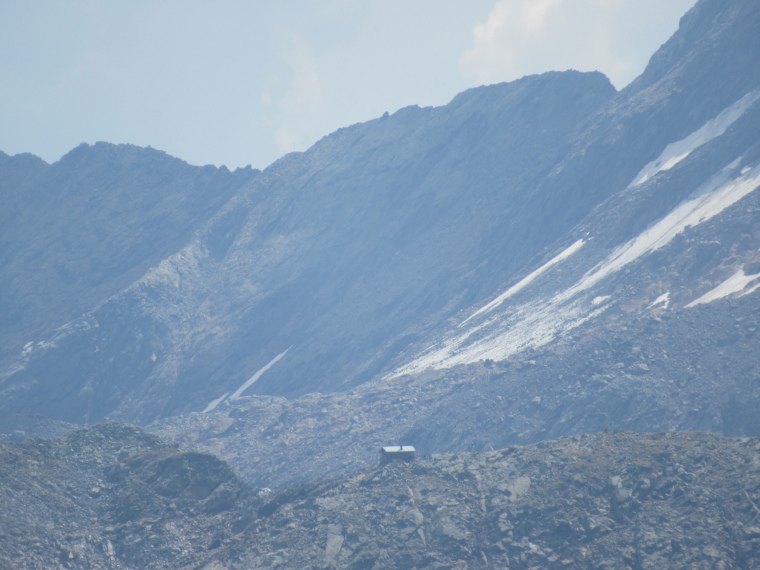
x=520 y=285
x=663 y=300
x=734 y=284
x=528 y=326
x=713 y=198
x=677 y=151
x=247 y=384
x=214 y=403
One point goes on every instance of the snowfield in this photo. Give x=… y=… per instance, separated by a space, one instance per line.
x=534 y=323
x=677 y=151
x=734 y=284
x=247 y=384
x=523 y=283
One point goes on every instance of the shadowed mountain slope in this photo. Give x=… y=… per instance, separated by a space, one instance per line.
x=75 y=232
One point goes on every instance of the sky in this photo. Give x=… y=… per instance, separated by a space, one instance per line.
x=239 y=82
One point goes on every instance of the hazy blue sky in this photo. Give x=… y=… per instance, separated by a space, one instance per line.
x=241 y=82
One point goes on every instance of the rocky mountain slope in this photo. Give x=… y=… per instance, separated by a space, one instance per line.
x=505 y=282
x=659 y=373
x=336 y=253
x=644 y=319
x=683 y=500
x=116 y=497
x=497 y=225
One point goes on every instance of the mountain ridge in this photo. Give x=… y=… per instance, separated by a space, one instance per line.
x=265 y=209
x=406 y=242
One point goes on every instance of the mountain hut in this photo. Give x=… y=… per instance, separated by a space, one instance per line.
x=391 y=453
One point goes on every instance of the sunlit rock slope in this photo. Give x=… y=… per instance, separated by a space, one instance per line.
x=116 y=497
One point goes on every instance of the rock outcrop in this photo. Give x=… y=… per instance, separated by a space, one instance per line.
x=114 y=496
x=617 y=500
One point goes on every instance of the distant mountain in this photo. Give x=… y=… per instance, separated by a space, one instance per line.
x=74 y=233
x=535 y=259
x=116 y=497
x=346 y=253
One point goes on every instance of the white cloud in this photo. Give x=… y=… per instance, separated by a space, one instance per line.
x=521 y=37
x=300 y=101
x=241 y=82
x=534 y=14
